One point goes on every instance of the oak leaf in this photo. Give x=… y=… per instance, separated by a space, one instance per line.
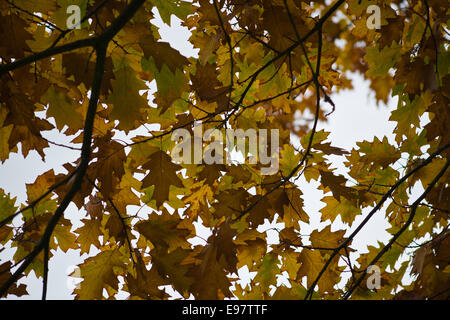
x=98 y=272
x=162 y=175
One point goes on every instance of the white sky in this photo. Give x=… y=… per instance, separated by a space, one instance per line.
x=356 y=118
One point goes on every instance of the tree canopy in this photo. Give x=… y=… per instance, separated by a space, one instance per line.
x=261 y=64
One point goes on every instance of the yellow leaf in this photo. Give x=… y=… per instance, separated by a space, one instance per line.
x=326 y=238
x=345 y=208
x=127 y=103
x=311 y=264
x=62 y=109
x=164 y=231
x=98 y=272
x=66 y=239
x=89 y=234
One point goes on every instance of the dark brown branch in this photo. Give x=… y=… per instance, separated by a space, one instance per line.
x=287 y=242
x=120 y=21
x=370 y=215
x=85 y=157
x=101 y=44
x=125 y=228
x=438 y=238
x=400 y=232
x=316 y=78
x=247 y=32
x=435 y=208
x=45 y=277
x=433 y=38
x=287 y=92
x=42 y=20
x=316 y=28
x=230 y=48
x=60 y=144
x=105 y=37
x=122 y=219
x=87 y=42
x=439 y=293
x=349 y=263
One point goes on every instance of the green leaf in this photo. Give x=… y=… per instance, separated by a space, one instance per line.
x=380 y=61
x=167 y=8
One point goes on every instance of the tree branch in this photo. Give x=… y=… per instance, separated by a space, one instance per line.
x=45 y=278
x=85 y=157
x=370 y=215
x=87 y=42
x=100 y=44
x=34 y=202
x=399 y=233
x=308 y=149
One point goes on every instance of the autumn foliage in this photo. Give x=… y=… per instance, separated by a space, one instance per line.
x=119 y=92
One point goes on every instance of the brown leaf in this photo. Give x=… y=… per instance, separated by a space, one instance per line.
x=162 y=53
x=337 y=185
x=162 y=175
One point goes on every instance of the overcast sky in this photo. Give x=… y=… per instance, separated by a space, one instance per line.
x=356 y=118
